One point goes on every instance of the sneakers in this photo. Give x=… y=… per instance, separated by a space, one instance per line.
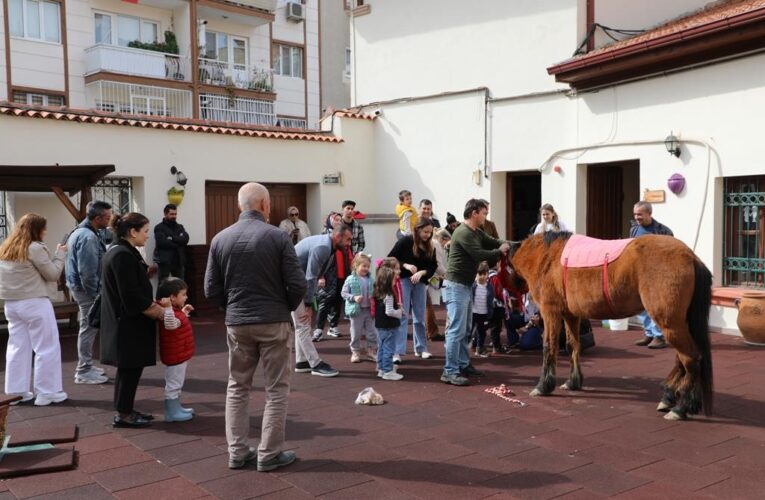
x=371 y=355
x=324 y=370
x=380 y=373
x=53 y=397
x=454 y=379
x=470 y=371
x=392 y=375
x=317 y=335
x=333 y=332
x=644 y=341
x=91 y=377
x=238 y=463
x=283 y=459
x=355 y=357
x=25 y=396
x=423 y=355
x=97 y=369
x=302 y=367
x=658 y=343
x=481 y=353
x=396 y=359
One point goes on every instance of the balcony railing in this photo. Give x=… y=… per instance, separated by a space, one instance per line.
x=136 y=62
x=241 y=76
x=131 y=99
x=242 y=110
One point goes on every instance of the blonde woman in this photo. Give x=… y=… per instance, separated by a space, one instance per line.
x=550 y=221
x=26 y=268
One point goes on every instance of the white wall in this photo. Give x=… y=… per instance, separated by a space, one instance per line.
x=406 y=48
x=622 y=14
x=201 y=157
x=335 y=38
x=37 y=64
x=3 y=62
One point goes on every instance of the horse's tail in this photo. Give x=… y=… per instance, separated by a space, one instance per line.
x=698 y=323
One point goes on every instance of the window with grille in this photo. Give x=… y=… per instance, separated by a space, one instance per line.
x=744 y=244
x=116 y=191
x=34 y=99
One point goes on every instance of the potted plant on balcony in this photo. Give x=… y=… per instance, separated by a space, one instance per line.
x=175 y=195
x=169 y=46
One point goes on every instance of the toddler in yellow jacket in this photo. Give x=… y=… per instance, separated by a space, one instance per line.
x=407 y=215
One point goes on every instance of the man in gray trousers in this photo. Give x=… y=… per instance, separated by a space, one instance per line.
x=83 y=278
x=253 y=272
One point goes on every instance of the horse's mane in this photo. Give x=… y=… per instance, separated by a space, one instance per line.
x=551 y=236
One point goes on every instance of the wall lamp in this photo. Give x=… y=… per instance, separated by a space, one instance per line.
x=180 y=178
x=672 y=144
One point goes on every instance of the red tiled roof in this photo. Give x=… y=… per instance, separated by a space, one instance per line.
x=350 y=114
x=719 y=11
x=91 y=116
x=714 y=26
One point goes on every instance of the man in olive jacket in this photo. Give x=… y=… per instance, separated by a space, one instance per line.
x=254 y=272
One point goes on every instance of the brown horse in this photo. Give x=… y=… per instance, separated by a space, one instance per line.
x=657 y=273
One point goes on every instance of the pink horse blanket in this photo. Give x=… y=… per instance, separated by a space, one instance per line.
x=583 y=251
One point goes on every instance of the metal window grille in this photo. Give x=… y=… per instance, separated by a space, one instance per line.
x=744 y=244
x=3 y=218
x=291 y=123
x=117 y=191
x=222 y=108
x=139 y=99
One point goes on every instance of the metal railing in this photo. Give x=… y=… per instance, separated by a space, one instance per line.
x=3 y=218
x=291 y=123
x=136 y=62
x=241 y=76
x=117 y=191
x=232 y=109
x=131 y=99
x=744 y=243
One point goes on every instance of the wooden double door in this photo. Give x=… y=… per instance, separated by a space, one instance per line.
x=222 y=207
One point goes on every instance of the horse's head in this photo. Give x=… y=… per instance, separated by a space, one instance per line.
x=511 y=280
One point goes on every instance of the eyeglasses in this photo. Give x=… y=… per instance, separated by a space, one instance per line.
x=294 y=214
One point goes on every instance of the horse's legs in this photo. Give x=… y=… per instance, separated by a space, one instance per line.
x=683 y=381
x=546 y=384
x=575 y=379
x=669 y=386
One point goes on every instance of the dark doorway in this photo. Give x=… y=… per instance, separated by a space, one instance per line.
x=524 y=197
x=612 y=189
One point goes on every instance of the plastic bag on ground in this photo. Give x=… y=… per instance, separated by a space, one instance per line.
x=369 y=397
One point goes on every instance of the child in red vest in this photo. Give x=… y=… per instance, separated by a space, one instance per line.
x=176 y=345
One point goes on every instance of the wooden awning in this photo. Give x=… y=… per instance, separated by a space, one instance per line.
x=59 y=179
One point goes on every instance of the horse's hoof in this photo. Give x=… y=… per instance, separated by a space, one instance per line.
x=664 y=407
x=536 y=392
x=673 y=415
x=565 y=386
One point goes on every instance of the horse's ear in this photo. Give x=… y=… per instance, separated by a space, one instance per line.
x=514 y=246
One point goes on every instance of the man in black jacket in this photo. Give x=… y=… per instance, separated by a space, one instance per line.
x=253 y=271
x=170 y=240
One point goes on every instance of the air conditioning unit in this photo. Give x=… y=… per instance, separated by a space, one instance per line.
x=295 y=12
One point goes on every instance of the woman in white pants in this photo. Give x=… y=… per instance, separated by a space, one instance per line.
x=26 y=267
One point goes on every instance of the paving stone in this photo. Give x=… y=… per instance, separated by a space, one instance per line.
x=208 y=469
x=132 y=476
x=248 y=484
x=497 y=445
x=623 y=459
x=546 y=460
x=533 y=484
x=686 y=477
x=171 y=489
x=89 y=491
x=326 y=479
x=604 y=480
x=41 y=484
x=100 y=442
x=112 y=458
x=434 y=449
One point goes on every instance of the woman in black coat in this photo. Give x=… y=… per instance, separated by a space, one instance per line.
x=128 y=315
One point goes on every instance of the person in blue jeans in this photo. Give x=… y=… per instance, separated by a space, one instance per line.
x=470 y=245
x=645 y=224
x=417 y=256
x=387 y=313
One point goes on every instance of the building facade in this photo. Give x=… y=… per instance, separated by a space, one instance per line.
x=251 y=62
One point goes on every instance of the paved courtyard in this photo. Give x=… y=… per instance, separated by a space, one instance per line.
x=430 y=440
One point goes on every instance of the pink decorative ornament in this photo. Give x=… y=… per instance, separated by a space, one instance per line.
x=676 y=183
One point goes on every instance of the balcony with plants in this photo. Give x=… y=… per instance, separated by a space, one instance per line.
x=158 y=60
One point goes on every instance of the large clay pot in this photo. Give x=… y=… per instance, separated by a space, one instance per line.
x=751 y=317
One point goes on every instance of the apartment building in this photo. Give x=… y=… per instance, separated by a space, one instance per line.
x=249 y=62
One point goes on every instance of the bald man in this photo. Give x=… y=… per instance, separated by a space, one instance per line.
x=254 y=273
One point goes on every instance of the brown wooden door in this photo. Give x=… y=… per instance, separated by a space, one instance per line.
x=605 y=194
x=222 y=206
